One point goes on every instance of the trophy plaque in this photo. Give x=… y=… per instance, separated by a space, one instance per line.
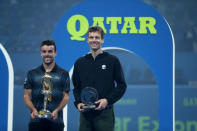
x=89 y=96
x=47 y=92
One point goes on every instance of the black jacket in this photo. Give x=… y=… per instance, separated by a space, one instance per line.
x=104 y=74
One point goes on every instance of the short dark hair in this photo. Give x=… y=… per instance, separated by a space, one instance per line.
x=96 y=29
x=48 y=42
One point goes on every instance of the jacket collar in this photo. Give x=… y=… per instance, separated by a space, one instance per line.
x=89 y=55
x=53 y=70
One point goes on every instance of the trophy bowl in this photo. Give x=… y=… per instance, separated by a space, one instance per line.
x=89 y=96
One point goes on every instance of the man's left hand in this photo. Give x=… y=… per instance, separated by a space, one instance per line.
x=102 y=104
x=55 y=114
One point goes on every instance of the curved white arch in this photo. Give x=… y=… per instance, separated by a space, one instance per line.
x=173 y=74
x=11 y=89
x=117 y=48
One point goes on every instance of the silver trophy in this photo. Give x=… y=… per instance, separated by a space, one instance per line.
x=89 y=96
x=47 y=92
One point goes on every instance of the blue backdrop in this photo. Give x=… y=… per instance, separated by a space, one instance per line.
x=156 y=49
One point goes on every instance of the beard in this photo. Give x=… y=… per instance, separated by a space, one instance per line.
x=97 y=43
x=48 y=62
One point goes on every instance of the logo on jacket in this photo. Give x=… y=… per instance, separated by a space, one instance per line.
x=104 y=67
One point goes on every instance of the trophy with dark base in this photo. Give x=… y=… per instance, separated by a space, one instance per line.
x=89 y=96
x=47 y=92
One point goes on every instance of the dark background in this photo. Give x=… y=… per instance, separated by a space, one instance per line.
x=25 y=23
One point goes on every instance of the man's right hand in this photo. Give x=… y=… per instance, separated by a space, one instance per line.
x=34 y=113
x=79 y=107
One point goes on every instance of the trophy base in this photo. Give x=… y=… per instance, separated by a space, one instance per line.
x=44 y=114
x=89 y=107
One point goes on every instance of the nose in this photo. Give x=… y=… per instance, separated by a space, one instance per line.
x=47 y=52
x=94 y=38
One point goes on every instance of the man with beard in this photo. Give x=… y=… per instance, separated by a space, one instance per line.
x=101 y=71
x=33 y=97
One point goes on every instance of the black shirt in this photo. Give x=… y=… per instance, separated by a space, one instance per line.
x=104 y=73
x=61 y=83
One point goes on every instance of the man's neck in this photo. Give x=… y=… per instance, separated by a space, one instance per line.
x=48 y=68
x=96 y=53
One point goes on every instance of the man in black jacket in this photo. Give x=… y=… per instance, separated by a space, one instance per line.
x=103 y=72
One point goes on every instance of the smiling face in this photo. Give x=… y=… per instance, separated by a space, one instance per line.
x=48 y=54
x=95 y=41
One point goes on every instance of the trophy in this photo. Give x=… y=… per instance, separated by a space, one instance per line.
x=47 y=92
x=89 y=96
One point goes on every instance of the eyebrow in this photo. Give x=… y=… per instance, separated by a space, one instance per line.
x=47 y=50
x=94 y=37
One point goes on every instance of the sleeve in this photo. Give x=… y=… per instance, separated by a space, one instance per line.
x=77 y=85
x=66 y=81
x=121 y=86
x=28 y=81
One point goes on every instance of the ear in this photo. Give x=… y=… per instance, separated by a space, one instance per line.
x=88 y=40
x=40 y=53
x=102 y=41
